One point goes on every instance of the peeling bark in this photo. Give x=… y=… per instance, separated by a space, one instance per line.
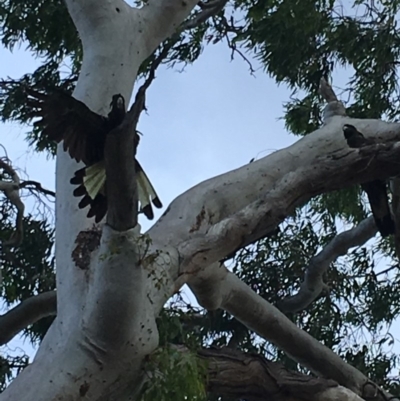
x=252 y=377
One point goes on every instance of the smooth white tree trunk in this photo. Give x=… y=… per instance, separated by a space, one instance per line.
x=105 y=321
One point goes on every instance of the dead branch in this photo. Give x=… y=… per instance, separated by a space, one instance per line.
x=12 y=191
x=240 y=375
x=119 y=153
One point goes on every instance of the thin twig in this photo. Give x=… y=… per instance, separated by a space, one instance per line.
x=36 y=186
x=140 y=99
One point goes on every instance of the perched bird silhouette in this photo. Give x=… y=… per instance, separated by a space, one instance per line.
x=376 y=190
x=84 y=134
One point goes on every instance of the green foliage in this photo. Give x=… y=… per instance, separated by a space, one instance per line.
x=347 y=204
x=298 y=28
x=174 y=374
x=44 y=25
x=303 y=116
x=320 y=36
x=177 y=353
x=29 y=269
x=12 y=99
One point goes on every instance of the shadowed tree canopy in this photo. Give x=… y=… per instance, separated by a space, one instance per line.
x=319 y=268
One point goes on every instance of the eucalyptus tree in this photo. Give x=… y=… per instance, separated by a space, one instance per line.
x=111 y=336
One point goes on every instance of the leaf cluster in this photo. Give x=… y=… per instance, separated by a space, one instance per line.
x=174 y=375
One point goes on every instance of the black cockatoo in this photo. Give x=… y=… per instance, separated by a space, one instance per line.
x=376 y=190
x=84 y=134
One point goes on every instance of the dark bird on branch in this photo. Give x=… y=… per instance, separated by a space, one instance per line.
x=84 y=134
x=376 y=190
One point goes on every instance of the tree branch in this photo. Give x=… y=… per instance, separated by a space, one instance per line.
x=26 y=313
x=294 y=189
x=237 y=298
x=326 y=91
x=163 y=18
x=252 y=377
x=317 y=163
x=37 y=186
x=11 y=190
x=219 y=289
x=334 y=107
x=233 y=209
x=313 y=283
x=208 y=10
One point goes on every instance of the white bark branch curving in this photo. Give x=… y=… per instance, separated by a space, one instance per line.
x=211 y=201
x=206 y=242
x=26 y=313
x=162 y=18
x=313 y=283
x=293 y=189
